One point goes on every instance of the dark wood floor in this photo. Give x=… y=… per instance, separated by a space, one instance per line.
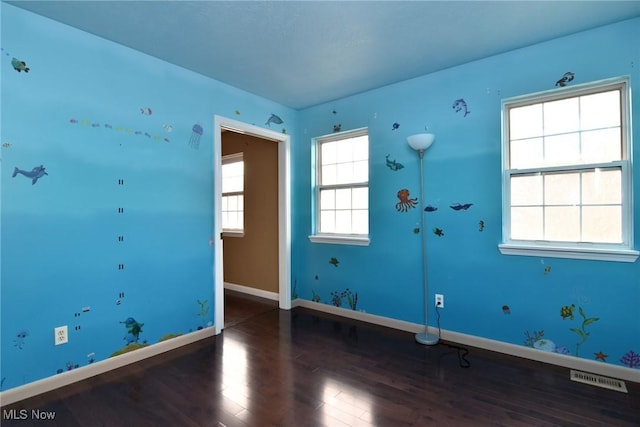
x=303 y=368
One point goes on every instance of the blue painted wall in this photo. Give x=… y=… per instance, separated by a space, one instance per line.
x=464 y=166
x=81 y=112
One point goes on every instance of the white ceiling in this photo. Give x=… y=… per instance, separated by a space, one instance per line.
x=303 y=53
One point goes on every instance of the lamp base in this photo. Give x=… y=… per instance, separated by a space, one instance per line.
x=427 y=339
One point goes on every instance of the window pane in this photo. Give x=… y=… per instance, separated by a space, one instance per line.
x=240 y=220
x=232 y=220
x=345 y=150
x=361 y=171
x=232 y=203
x=343 y=199
x=562 y=224
x=602 y=224
x=600 y=110
x=328 y=175
x=526 y=153
x=360 y=221
x=561 y=116
x=329 y=152
x=360 y=198
x=526 y=223
x=327 y=199
x=562 y=149
x=525 y=122
x=225 y=220
x=224 y=203
x=526 y=190
x=232 y=184
x=343 y=221
x=240 y=203
x=602 y=187
x=328 y=221
x=599 y=146
x=344 y=173
x=562 y=189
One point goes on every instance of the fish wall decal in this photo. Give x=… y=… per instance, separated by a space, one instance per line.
x=35 y=173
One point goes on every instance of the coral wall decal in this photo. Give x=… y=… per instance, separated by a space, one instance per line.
x=631 y=359
x=338 y=297
x=567 y=312
x=530 y=339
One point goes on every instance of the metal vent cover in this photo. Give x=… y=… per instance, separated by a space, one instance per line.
x=599 y=381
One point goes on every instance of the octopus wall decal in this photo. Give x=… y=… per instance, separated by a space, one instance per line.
x=405 y=202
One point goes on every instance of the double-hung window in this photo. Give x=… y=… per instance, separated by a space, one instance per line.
x=233 y=194
x=567 y=173
x=342 y=188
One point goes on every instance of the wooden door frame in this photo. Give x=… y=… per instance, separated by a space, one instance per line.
x=221 y=123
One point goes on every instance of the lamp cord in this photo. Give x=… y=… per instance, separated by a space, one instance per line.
x=462 y=352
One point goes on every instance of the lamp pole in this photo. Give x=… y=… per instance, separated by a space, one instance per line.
x=424 y=337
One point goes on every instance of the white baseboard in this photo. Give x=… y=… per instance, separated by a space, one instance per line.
x=82 y=373
x=567 y=361
x=252 y=291
x=69 y=377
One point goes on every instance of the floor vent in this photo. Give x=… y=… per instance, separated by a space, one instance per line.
x=599 y=381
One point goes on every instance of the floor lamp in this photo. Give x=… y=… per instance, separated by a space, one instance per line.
x=420 y=142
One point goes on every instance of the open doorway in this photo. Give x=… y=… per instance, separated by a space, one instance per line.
x=221 y=125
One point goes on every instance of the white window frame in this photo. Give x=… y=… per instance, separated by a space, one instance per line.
x=336 y=238
x=234 y=232
x=623 y=252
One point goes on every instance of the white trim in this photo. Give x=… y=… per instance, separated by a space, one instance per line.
x=606 y=369
x=340 y=239
x=623 y=252
x=82 y=373
x=363 y=316
x=597 y=254
x=233 y=158
x=284 y=211
x=318 y=187
x=251 y=291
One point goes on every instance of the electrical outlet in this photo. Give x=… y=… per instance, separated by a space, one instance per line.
x=61 y=335
x=440 y=300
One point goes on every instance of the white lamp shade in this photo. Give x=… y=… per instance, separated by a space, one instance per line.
x=421 y=141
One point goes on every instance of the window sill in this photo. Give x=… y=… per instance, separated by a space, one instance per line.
x=596 y=254
x=340 y=239
x=237 y=233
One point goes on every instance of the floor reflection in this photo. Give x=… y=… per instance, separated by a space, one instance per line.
x=235 y=384
x=344 y=404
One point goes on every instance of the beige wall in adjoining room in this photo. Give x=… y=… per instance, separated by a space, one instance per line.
x=252 y=260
